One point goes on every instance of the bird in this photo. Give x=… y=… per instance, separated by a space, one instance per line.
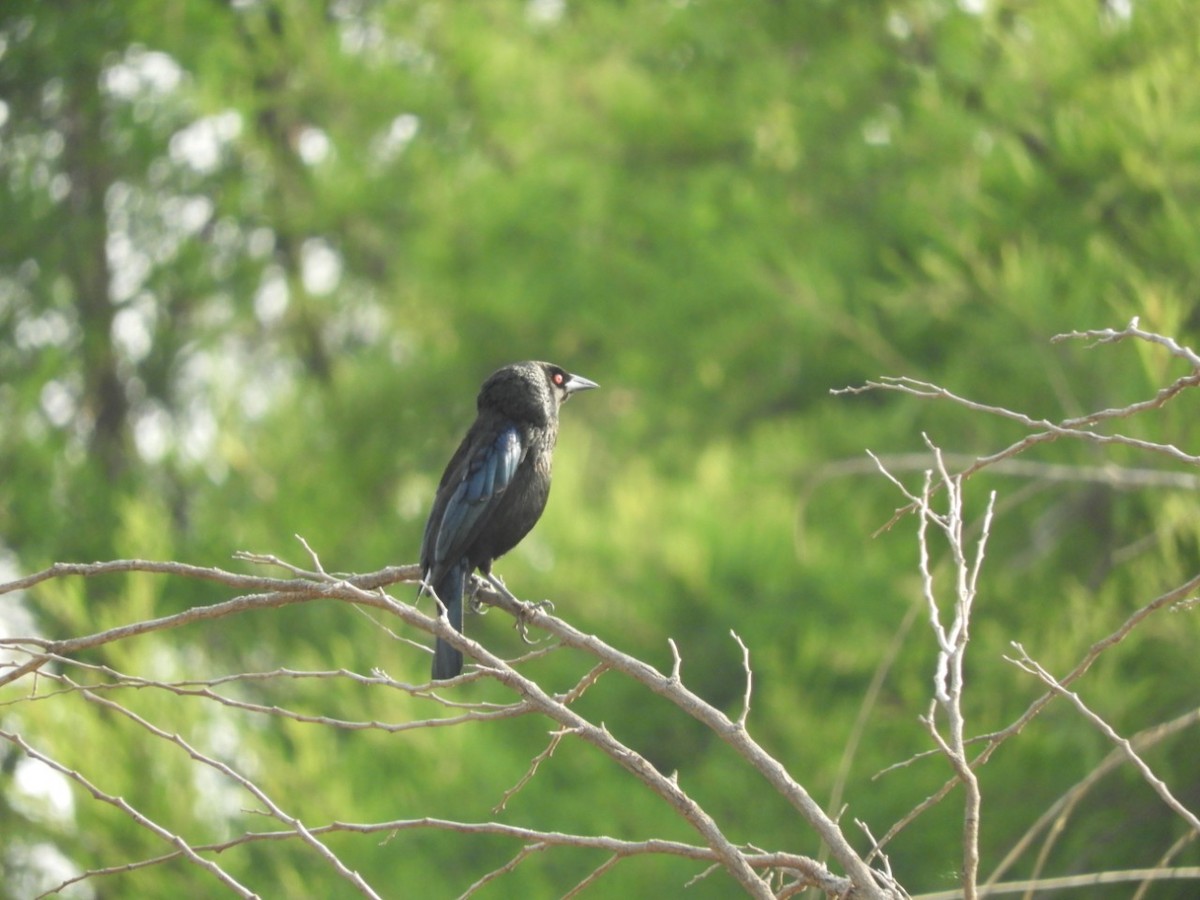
x=495 y=486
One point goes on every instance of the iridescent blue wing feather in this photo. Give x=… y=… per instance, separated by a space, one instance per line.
x=489 y=473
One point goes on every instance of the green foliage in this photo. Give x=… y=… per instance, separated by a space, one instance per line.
x=257 y=258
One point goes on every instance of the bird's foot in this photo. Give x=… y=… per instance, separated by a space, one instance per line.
x=528 y=608
x=475 y=602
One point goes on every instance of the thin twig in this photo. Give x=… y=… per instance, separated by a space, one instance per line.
x=1164 y=861
x=253 y=789
x=522 y=854
x=1028 y=664
x=182 y=847
x=555 y=738
x=475 y=712
x=312 y=554
x=360 y=590
x=1092 y=879
x=1183 y=594
x=1078 y=427
x=952 y=636
x=592 y=877
x=583 y=684
x=741 y=721
x=867 y=706
x=1061 y=809
x=1132 y=330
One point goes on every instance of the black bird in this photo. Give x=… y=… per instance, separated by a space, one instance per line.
x=495 y=487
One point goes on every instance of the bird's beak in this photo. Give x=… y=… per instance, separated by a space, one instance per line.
x=576 y=383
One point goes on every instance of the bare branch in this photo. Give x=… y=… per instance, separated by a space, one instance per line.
x=271 y=593
x=1093 y=879
x=183 y=848
x=1108 y=474
x=359 y=590
x=1077 y=427
x=1132 y=330
x=993 y=740
x=1062 y=808
x=1045 y=431
x=671 y=688
x=254 y=790
x=476 y=712
x=1028 y=664
x=951 y=638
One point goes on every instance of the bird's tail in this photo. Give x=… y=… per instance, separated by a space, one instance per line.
x=448 y=662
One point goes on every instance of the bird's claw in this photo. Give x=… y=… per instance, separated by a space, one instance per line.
x=475 y=602
x=528 y=608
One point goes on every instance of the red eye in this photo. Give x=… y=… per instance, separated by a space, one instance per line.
x=559 y=379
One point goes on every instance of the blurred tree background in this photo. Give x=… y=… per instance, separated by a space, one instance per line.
x=256 y=258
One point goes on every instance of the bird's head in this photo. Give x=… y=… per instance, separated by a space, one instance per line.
x=531 y=391
x=563 y=384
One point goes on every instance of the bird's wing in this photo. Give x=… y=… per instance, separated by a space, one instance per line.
x=490 y=470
